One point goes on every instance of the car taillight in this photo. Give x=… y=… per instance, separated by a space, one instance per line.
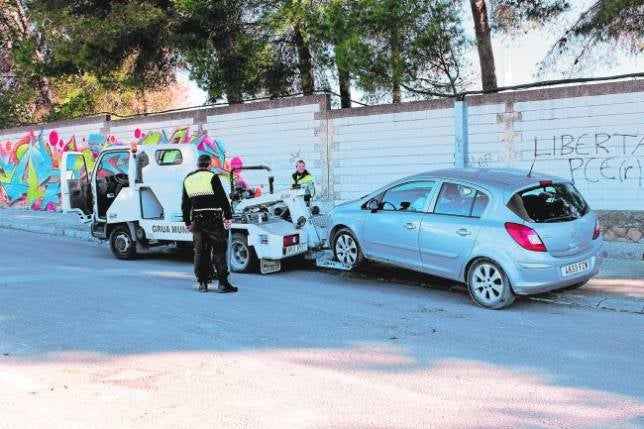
x=291 y=240
x=597 y=231
x=526 y=237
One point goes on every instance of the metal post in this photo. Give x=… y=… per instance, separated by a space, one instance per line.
x=460 y=133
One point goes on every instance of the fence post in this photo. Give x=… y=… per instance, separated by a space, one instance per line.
x=460 y=133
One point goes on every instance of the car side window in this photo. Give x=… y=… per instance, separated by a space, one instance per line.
x=460 y=200
x=410 y=197
x=480 y=203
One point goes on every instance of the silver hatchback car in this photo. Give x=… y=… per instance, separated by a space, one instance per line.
x=499 y=231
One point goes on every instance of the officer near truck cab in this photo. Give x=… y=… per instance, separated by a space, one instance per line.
x=207 y=214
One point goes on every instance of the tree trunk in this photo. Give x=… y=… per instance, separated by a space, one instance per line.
x=484 y=43
x=396 y=66
x=305 y=64
x=17 y=21
x=230 y=64
x=344 y=79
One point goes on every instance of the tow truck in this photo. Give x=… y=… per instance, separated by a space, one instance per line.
x=132 y=198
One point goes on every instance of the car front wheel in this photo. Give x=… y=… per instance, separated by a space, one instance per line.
x=346 y=248
x=489 y=286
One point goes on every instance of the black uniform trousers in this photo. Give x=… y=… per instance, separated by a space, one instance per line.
x=210 y=241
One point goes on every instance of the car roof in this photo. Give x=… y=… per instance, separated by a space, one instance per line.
x=503 y=178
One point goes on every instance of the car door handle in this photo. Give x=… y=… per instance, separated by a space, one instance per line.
x=110 y=195
x=410 y=225
x=463 y=232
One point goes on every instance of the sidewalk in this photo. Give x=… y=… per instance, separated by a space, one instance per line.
x=619 y=286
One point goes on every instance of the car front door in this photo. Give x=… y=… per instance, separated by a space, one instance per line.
x=449 y=232
x=391 y=231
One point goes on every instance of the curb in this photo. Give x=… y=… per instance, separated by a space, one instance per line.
x=635 y=306
x=48 y=230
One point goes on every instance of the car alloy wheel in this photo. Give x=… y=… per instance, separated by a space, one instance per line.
x=489 y=286
x=347 y=249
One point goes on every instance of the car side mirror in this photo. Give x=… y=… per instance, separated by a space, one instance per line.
x=404 y=205
x=373 y=205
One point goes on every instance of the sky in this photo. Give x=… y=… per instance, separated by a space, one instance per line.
x=516 y=57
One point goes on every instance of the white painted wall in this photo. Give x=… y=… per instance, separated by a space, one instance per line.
x=598 y=140
x=370 y=151
x=276 y=138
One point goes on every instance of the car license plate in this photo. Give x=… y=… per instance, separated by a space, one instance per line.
x=577 y=267
x=293 y=250
x=268 y=266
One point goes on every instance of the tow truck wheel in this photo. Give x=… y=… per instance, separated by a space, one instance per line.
x=122 y=244
x=346 y=248
x=242 y=256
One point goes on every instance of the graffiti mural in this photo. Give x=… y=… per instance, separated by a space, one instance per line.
x=29 y=166
x=29 y=174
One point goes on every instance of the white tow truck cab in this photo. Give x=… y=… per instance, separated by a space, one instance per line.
x=132 y=197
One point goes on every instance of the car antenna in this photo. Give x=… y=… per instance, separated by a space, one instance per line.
x=533 y=159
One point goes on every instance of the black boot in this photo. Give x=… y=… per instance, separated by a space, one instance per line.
x=203 y=287
x=226 y=287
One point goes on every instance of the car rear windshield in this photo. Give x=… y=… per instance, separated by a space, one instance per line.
x=558 y=202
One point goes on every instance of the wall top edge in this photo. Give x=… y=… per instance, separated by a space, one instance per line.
x=99 y=120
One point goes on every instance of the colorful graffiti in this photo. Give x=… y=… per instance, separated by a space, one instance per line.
x=29 y=166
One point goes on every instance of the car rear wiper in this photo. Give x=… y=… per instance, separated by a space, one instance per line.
x=558 y=218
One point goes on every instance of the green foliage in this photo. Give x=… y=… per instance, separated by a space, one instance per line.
x=611 y=25
x=511 y=15
x=410 y=44
x=223 y=55
x=103 y=38
x=14 y=107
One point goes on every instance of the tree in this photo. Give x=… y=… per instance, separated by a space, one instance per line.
x=409 y=45
x=219 y=47
x=17 y=30
x=104 y=38
x=620 y=22
x=506 y=15
x=290 y=25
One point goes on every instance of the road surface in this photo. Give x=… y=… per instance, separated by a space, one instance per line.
x=90 y=341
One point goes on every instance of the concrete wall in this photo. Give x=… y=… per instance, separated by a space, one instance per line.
x=592 y=133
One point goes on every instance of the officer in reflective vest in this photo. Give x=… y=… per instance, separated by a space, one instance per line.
x=206 y=212
x=303 y=179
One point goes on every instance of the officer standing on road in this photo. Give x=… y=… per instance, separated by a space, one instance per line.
x=206 y=213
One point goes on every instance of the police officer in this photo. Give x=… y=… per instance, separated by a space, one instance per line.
x=206 y=212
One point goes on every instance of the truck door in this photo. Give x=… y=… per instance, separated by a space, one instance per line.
x=76 y=190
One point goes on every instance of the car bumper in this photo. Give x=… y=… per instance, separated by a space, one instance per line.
x=544 y=276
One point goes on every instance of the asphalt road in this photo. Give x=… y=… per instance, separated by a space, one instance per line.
x=90 y=341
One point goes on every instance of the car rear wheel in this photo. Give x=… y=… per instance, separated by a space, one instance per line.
x=242 y=256
x=122 y=245
x=346 y=248
x=489 y=286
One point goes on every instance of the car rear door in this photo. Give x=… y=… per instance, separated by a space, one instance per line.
x=449 y=232
x=391 y=232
